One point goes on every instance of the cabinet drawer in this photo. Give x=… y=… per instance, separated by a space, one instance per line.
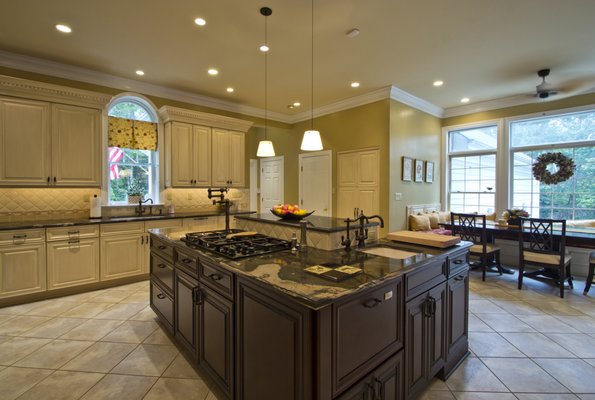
x=217 y=278
x=457 y=263
x=162 y=271
x=366 y=328
x=165 y=249
x=187 y=261
x=22 y=236
x=163 y=304
x=72 y=232
x=122 y=228
x=163 y=223
x=423 y=278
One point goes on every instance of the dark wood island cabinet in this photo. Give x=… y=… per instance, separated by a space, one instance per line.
x=261 y=328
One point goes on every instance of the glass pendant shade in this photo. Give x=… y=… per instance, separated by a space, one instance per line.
x=265 y=149
x=311 y=141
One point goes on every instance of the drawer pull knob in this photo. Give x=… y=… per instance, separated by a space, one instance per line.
x=215 y=277
x=19 y=236
x=162 y=247
x=458 y=261
x=160 y=265
x=372 y=303
x=160 y=296
x=74 y=241
x=187 y=261
x=74 y=232
x=460 y=278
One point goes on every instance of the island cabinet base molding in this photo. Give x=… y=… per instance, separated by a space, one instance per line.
x=262 y=329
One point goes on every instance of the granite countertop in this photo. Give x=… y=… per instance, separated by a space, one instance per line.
x=53 y=223
x=285 y=272
x=315 y=223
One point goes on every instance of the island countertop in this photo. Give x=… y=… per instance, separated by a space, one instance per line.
x=285 y=270
x=315 y=222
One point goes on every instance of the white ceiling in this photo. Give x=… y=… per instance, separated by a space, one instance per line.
x=482 y=49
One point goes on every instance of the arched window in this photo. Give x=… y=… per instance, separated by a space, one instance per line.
x=133 y=168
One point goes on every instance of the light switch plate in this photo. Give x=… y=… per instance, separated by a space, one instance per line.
x=398 y=196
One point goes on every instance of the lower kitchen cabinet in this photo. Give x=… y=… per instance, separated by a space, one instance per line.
x=123 y=256
x=186 y=318
x=22 y=269
x=163 y=305
x=72 y=262
x=216 y=338
x=425 y=350
x=457 y=328
x=384 y=383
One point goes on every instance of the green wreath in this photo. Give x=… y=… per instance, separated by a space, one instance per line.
x=565 y=168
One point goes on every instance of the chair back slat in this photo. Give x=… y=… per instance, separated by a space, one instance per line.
x=537 y=235
x=470 y=227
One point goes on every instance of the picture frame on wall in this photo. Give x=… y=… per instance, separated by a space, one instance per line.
x=419 y=170
x=407 y=169
x=429 y=171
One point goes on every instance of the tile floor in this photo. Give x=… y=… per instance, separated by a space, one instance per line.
x=527 y=344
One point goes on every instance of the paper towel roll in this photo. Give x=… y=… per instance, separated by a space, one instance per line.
x=95 y=203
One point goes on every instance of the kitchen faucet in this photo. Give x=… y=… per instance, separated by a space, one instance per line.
x=223 y=201
x=141 y=210
x=362 y=234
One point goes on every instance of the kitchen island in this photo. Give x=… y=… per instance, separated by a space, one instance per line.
x=263 y=328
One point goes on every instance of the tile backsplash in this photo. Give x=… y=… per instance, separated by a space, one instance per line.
x=51 y=203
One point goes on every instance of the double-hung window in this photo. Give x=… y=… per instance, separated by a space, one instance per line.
x=472 y=169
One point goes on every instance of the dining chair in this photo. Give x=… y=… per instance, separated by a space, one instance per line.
x=537 y=247
x=591 y=270
x=472 y=228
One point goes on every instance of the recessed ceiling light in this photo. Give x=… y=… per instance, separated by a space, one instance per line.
x=354 y=84
x=229 y=90
x=212 y=71
x=200 y=22
x=353 y=33
x=264 y=48
x=465 y=100
x=297 y=104
x=438 y=83
x=63 y=28
x=140 y=72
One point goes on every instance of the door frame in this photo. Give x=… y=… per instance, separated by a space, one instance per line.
x=281 y=181
x=254 y=188
x=329 y=155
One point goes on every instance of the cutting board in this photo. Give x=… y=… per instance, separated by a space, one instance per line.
x=423 y=238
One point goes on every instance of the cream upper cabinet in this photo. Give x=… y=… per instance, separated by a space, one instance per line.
x=190 y=155
x=24 y=142
x=228 y=158
x=76 y=146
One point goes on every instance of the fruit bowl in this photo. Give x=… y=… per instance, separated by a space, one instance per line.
x=294 y=214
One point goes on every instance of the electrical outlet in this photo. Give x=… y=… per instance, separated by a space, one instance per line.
x=398 y=196
x=189 y=195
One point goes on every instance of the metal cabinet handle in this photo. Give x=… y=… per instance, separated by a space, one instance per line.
x=458 y=261
x=187 y=260
x=197 y=295
x=74 y=241
x=161 y=265
x=160 y=296
x=48 y=179
x=54 y=179
x=74 y=232
x=372 y=303
x=162 y=247
x=200 y=218
x=460 y=278
x=22 y=236
x=215 y=277
x=142 y=240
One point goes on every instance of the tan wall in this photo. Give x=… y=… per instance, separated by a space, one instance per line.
x=413 y=134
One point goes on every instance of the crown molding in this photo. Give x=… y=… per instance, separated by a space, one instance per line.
x=415 y=102
x=169 y=113
x=488 y=105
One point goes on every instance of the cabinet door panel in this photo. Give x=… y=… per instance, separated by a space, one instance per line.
x=369 y=200
x=122 y=256
x=186 y=312
x=22 y=269
x=202 y=155
x=72 y=263
x=436 y=330
x=458 y=301
x=24 y=142
x=236 y=158
x=415 y=345
x=389 y=378
x=220 y=157
x=347 y=164
x=369 y=168
x=76 y=144
x=182 y=158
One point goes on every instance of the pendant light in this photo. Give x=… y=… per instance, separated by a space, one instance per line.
x=311 y=140
x=265 y=147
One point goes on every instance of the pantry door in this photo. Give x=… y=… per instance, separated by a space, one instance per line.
x=316 y=178
x=271 y=182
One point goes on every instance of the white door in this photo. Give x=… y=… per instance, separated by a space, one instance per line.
x=271 y=182
x=316 y=177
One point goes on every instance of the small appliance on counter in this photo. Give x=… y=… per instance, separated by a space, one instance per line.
x=95 y=206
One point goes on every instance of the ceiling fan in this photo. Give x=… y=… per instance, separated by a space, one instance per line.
x=544 y=89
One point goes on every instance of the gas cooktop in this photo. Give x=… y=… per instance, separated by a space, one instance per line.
x=235 y=243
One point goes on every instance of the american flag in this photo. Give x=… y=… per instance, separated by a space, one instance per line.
x=115 y=155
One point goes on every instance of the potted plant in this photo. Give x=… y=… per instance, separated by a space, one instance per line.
x=512 y=215
x=134 y=191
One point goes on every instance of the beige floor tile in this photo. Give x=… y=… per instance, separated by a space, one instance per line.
x=483 y=396
x=51 y=308
x=54 y=328
x=528 y=294
x=93 y=329
x=582 y=323
x=21 y=324
x=548 y=324
x=131 y=332
x=147 y=360
x=505 y=323
x=16 y=381
x=173 y=389
x=137 y=297
x=497 y=294
x=13 y=350
x=5 y=338
x=477 y=325
x=4 y=318
x=86 y=310
x=120 y=311
x=537 y=345
x=16 y=310
x=587 y=396
x=80 y=297
x=113 y=296
x=438 y=384
x=575 y=374
x=556 y=307
x=523 y=375
x=146 y=314
x=54 y=354
x=158 y=337
x=486 y=344
x=180 y=368
x=100 y=357
x=484 y=306
x=586 y=308
x=519 y=307
x=62 y=385
x=120 y=387
x=436 y=395
x=473 y=375
x=211 y=396
x=546 y=396
x=579 y=343
x=590 y=361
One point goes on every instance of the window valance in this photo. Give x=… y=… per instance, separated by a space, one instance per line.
x=132 y=134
